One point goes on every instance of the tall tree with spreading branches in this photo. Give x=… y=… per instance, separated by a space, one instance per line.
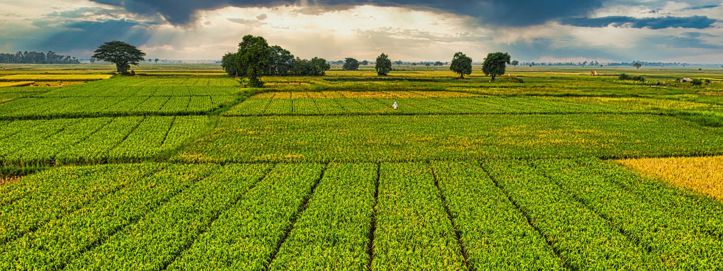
x=122 y=54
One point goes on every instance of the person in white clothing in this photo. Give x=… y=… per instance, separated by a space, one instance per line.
x=395 y=105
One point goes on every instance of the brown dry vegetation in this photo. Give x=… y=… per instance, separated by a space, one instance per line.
x=700 y=174
x=8 y=179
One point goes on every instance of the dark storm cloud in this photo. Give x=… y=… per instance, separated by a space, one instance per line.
x=87 y=35
x=702 y=7
x=493 y=12
x=696 y=22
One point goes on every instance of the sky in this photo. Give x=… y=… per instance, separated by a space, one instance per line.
x=409 y=30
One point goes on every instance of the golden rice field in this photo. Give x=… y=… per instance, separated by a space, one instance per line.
x=700 y=174
x=16 y=84
x=55 y=77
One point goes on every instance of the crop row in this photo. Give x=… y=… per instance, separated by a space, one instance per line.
x=69 y=236
x=413 y=231
x=678 y=242
x=435 y=102
x=494 y=215
x=95 y=139
x=248 y=234
x=333 y=232
x=423 y=103
x=151 y=86
x=582 y=238
x=110 y=106
x=495 y=234
x=421 y=138
x=33 y=202
x=163 y=234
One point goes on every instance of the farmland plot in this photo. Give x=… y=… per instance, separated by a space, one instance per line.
x=405 y=138
x=95 y=139
x=189 y=171
x=493 y=214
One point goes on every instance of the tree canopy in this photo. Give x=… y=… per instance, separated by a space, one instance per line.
x=461 y=64
x=495 y=64
x=253 y=58
x=281 y=61
x=122 y=54
x=351 y=64
x=256 y=58
x=384 y=65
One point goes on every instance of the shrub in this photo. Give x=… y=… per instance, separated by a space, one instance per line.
x=627 y=77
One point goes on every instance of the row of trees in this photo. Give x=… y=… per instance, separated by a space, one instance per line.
x=255 y=58
x=33 y=57
x=494 y=65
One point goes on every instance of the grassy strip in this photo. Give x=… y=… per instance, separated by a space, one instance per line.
x=246 y=235
x=69 y=191
x=495 y=234
x=163 y=234
x=671 y=238
x=68 y=237
x=332 y=232
x=581 y=237
x=413 y=231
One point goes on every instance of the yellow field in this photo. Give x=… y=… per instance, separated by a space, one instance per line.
x=700 y=174
x=642 y=103
x=55 y=77
x=16 y=84
x=363 y=94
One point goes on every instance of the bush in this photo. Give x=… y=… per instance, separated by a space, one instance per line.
x=627 y=77
x=697 y=82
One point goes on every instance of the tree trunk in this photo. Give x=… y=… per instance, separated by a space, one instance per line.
x=122 y=68
x=493 y=77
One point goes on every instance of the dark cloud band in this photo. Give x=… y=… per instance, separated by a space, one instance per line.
x=695 y=22
x=492 y=12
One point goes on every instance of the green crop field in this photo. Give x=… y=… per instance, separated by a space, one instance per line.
x=183 y=168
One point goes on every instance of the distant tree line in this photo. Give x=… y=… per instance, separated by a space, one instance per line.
x=32 y=57
x=255 y=58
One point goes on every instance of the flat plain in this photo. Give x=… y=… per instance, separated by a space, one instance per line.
x=181 y=168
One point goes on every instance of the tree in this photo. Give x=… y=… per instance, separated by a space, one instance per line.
x=122 y=54
x=350 y=64
x=253 y=58
x=495 y=64
x=461 y=64
x=384 y=65
x=637 y=65
x=280 y=61
x=314 y=67
x=231 y=65
x=515 y=63
x=365 y=62
x=156 y=60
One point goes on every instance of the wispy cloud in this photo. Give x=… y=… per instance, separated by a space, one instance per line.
x=697 y=22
